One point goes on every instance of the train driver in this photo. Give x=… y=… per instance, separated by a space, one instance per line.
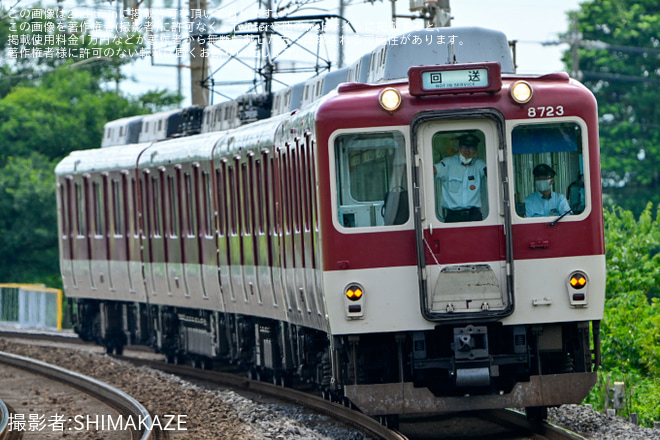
x=544 y=201
x=462 y=177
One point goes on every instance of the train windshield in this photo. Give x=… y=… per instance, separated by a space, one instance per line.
x=371 y=178
x=459 y=170
x=548 y=169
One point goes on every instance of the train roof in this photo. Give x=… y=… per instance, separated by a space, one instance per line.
x=392 y=60
x=119 y=157
x=257 y=136
x=181 y=149
x=387 y=63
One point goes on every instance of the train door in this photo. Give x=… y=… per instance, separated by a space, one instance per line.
x=223 y=224
x=118 y=257
x=174 y=257
x=101 y=278
x=235 y=235
x=265 y=232
x=68 y=233
x=207 y=247
x=82 y=249
x=276 y=229
x=287 y=241
x=190 y=232
x=249 y=231
x=463 y=223
x=308 y=225
x=153 y=217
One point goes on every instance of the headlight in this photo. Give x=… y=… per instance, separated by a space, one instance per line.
x=521 y=92
x=390 y=99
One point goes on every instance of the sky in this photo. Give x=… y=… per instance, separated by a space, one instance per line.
x=530 y=22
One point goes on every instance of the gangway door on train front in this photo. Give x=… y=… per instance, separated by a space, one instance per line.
x=462 y=222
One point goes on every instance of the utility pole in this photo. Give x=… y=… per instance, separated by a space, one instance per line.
x=436 y=13
x=198 y=65
x=574 y=39
x=340 y=47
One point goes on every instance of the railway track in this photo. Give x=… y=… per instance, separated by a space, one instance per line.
x=53 y=380
x=481 y=425
x=4 y=421
x=512 y=425
x=491 y=424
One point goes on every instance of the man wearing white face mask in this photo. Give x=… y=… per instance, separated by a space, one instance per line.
x=462 y=176
x=545 y=202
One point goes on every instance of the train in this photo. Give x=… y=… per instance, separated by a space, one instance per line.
x=307 y=235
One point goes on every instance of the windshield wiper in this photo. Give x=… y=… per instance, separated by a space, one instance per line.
x=554 y=222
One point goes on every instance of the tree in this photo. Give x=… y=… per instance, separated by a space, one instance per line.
x=63 y=111
x=630 y=331
x=619 y=59
x=27 y=218
x=48 y=108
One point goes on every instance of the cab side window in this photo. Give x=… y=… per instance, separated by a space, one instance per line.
x=548 y=169
x=371 y=179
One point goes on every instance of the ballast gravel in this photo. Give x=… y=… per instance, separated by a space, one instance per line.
x=596 y=426
x=209 y=414
x=220 y=414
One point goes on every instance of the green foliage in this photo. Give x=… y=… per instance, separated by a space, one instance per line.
x=630 y=331
x=62 y=112
x=50 y=106
x=28 y=220
x=633 y=252
x=38 y=44
x=619 y=62
x=642 y=395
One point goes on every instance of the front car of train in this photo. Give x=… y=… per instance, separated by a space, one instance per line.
x=462 y=230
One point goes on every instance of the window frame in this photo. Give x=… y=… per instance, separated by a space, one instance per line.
x=403 y=130
x=510 y=126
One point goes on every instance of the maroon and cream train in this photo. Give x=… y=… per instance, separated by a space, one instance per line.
x=312 y=243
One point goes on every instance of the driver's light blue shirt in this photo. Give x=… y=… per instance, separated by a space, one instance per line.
x=537 y=206
x=461 y=184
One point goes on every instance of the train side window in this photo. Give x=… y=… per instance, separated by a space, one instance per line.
x=79 y=209
x=146 y=204
x=190 y=212
x=233 y=202
x=222 y=199
x=246 y=197
x=116 y=209
x=173 y=214
x=294 y=170
x=156 y=206
x=548 y=169
x=123 y=197
x=261 y=201
x=207 y=211
x=97 y=204
x=371 y=179
x=460 y=176
x=133 y=192
x=286 y=191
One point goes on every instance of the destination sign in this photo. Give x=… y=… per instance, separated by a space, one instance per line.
x=455 y=78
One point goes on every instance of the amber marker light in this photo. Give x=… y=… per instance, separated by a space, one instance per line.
x=578 y=280
x=521 y=92
x=390 y=99
x=354 y=292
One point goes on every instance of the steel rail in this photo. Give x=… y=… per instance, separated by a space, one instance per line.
x=511 y=418
x=366 y=424
x=4 y=422
x=109 y=395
